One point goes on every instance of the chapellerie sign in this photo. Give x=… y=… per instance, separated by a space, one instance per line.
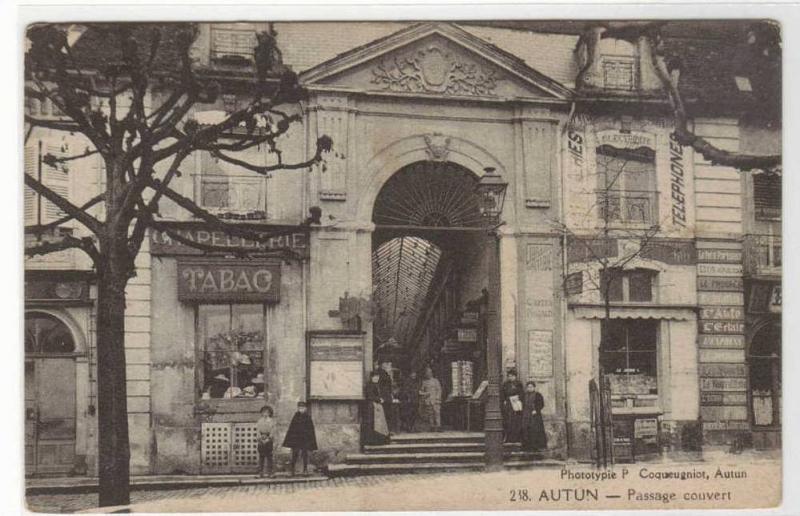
x=284 y=237
x=215 y=281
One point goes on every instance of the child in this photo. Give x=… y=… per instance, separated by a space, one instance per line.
x=266 y=432
x=300 y=436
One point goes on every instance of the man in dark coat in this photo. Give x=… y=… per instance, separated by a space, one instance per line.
x=386 y=389
x=300 y=436
x=409 y=399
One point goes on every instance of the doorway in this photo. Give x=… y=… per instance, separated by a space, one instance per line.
x=429 y=276
x=50 y=396
x=764 y=361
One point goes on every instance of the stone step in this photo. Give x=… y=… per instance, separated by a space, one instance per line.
x=342 y=470
x=438 y=437
x=405 y=447
x=431 y=458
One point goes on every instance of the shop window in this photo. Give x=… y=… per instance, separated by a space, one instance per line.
x=629 y=356
x=634 y=286
x=626 y=185
x=231 y=340
x=767 y=196
x=233 y=43
x=47 y=334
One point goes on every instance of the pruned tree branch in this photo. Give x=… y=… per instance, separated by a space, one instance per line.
x=66 y=218
x=64 y=243
x=64 y=205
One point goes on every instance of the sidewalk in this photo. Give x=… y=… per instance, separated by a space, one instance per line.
x=61 y=485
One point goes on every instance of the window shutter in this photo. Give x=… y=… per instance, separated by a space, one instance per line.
x=31 y=164
x=767 y=196
x=57 y=179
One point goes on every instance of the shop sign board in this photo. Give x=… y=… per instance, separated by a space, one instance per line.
x=722 y=312
x=227 y=281
x=722 y=341
x=723 y=413
x=335 y=365
x=719 y=256
x=722 y=326
x=672 y=252
x=645 y=427
x=714 y=426
x=723 y=370
x=291 y=238
x=540 y=353
x=727 y=356
x=723 y=398
x=720 y=283
x=719 y=269
x=467 y=335
x=720 y=298
x=723 y=384
x=574 y=283
x=52 y=290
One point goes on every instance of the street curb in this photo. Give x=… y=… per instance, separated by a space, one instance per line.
x=171 y=483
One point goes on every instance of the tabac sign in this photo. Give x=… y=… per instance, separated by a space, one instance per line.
x=292 y=238
x=224 y=281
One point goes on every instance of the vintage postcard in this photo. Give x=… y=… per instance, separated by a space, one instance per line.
x=382 y=265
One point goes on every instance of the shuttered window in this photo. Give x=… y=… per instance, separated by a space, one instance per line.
x=56 y=178
x=767 y=196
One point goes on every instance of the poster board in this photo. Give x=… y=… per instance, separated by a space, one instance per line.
x=335 y=365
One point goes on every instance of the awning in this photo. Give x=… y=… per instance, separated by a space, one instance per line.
x=674 y=313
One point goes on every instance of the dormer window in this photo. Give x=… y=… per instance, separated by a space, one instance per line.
x=618 y=64
x=232 y=42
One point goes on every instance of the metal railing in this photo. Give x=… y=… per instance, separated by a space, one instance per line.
x=235 y=194
x=627 y=206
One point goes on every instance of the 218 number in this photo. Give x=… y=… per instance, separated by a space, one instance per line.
x=519 y=495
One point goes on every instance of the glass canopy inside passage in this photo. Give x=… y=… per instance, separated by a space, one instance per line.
x=403 y=270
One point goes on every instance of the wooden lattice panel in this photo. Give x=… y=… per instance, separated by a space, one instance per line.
x=245 y=445
x=216 y=445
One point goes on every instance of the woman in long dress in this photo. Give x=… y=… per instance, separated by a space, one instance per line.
x=534 y=437
x=512 y=407
x=430 y=396
x=376 y=429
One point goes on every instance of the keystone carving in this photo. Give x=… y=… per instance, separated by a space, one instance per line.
x=438 y=146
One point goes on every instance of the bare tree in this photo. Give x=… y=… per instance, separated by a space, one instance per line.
x=142 y=146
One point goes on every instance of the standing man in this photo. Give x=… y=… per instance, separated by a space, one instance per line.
x=386 y=390
x=409 y=399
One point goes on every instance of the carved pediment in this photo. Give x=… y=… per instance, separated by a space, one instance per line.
x=433 y=59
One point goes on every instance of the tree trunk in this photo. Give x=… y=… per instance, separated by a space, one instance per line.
x=112 y=413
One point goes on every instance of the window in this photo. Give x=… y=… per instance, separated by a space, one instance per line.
x=54 y=177
x=626 y=185
x=225 y=188
x=231 y=340
x=767 y=196
x=629 y=355
x=46 y=334
x=233 y=43
x=634 y=286
x=619 y=73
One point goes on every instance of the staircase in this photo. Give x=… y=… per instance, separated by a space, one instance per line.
x=434 y=451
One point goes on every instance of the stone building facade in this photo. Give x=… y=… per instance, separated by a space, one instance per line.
x=419 y=100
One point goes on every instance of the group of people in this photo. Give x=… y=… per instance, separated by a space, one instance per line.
x=420 y=404
x=300 y=437
x=522 y=414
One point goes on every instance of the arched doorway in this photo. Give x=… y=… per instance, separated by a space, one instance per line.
x=764 y=360
x=429 y=273
x=50 y=395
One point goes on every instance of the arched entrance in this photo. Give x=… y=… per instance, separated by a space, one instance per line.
x=50 y=395
x=764 y=360
x=429 y=273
